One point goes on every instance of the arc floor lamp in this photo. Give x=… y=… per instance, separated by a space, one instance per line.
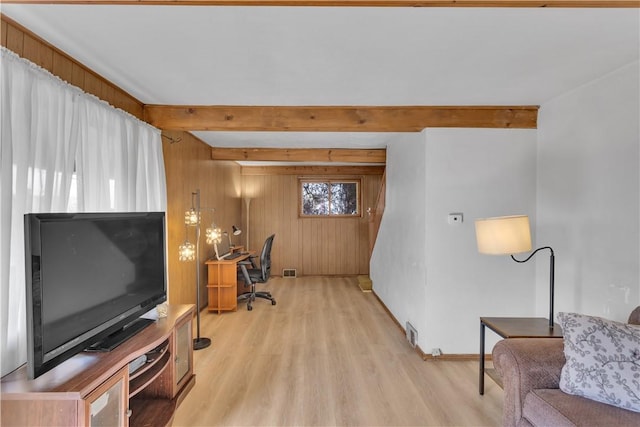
x=509 y=235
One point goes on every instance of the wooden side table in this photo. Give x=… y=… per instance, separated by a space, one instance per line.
x=514 y=327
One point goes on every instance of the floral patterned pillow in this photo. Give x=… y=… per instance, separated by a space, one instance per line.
x=603 y=360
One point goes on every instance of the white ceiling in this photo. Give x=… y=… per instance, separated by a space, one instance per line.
x=208 y=55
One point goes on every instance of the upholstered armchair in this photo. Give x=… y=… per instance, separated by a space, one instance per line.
x=530 y=369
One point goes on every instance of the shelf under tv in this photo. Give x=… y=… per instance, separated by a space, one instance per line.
x=73 y=393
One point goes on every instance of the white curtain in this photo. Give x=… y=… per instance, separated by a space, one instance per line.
x=119 y=163
x=62 y=150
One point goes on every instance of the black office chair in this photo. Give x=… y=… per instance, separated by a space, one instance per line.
x=257 y=274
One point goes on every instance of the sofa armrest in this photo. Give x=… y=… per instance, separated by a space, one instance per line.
x=526 y=364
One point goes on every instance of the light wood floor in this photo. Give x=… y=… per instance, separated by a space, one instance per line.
x=326 y=355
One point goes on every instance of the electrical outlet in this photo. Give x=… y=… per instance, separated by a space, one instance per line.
x=436 y=352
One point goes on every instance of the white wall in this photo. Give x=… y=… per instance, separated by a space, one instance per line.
x=580 y=184
x=589 y=196
x=428 y=272
x=481 y=173
x=397 y=267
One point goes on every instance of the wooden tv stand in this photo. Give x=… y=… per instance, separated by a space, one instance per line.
x=96 y=389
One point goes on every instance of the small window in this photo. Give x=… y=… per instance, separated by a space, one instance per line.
x=329 y=197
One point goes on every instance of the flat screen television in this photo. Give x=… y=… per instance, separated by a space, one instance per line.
x=89 y=278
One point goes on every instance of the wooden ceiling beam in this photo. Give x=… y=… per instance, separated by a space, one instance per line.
x=344 y=155
x=338 y=118
x=312 y=170
x=358 y=3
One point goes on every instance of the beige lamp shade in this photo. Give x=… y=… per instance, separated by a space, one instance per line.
x=504 y=235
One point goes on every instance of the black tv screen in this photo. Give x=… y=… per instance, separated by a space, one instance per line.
x=88 y=275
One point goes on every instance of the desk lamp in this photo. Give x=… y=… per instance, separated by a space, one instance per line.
x=236 y=232
x=508 y=235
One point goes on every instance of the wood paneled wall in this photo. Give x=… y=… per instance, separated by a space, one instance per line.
x=313 y=246
x=29 y=46
x=187 y=163
x=188 y=167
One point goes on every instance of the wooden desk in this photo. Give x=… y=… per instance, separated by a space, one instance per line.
x=514 y=327
x=222 y=283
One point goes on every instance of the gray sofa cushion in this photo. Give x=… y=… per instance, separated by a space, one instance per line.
x=603 y=360
x=553 y=407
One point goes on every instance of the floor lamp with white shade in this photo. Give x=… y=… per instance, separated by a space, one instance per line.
x=247 y=202
x=509 y=235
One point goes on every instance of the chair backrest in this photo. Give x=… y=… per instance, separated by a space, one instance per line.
x=265 y=258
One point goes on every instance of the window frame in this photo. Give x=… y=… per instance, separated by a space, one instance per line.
x=330 y=180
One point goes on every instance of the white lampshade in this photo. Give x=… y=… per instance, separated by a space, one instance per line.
x=504 y=235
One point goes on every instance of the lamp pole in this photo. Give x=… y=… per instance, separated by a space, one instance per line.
x=247 y=202
x=552 y=260
x=198 y=342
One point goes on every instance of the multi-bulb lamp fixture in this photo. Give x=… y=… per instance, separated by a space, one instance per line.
x=191 y=252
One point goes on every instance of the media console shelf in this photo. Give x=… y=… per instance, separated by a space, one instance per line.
x=97 y=389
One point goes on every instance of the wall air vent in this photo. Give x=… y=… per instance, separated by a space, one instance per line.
x=289 y=272
x=412 y=335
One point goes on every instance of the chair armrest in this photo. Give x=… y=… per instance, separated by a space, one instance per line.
x=526 y=364
x=244 y=273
